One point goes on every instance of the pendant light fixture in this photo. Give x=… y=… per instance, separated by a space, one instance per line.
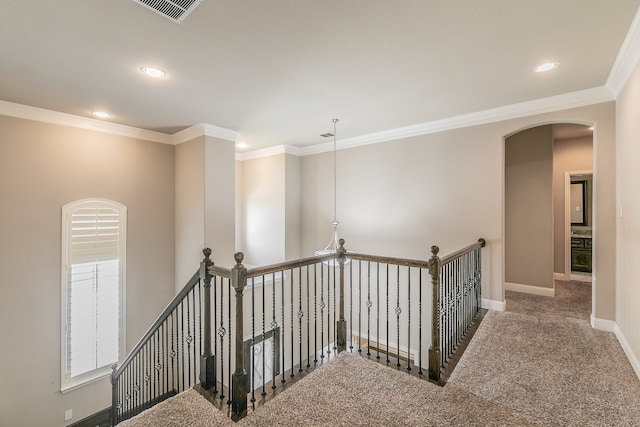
x=334 y=243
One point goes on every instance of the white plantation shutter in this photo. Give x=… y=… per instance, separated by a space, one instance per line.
x=93 y=288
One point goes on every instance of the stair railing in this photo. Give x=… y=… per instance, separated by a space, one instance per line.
x=172 y=352
x=286 y=318
x=297 y=314
x=456 y=281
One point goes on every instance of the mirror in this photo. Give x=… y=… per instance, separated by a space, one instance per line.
x=578 y=203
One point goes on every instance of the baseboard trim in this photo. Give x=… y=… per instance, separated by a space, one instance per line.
x=603 y=324
x=581 y=278
x=633 y=359
x=560 y=276
x=491 y=304
x=528 y=289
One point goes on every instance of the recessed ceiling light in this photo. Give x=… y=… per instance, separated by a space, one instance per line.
x=242 y=145
x=101 y=114
x=153 y=72
x=546 y=67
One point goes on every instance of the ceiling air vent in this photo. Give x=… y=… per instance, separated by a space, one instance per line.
x=176 y=10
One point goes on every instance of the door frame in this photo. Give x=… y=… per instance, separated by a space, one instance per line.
x=567 y=220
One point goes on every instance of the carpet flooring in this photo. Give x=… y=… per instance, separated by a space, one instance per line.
x=539 y=363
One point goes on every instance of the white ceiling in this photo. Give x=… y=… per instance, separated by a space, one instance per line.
x=278 y=71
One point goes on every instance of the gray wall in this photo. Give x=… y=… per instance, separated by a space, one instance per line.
x=400 y=197
x=263 y=210
x=528 y=226
x=190 y=211
x=43 y=167
x=205 y=204
x=292 y=207
x=269 y=200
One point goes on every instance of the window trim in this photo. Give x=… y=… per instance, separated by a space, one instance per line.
x=67 y=383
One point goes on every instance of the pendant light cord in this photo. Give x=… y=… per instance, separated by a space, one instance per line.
x=335 y=180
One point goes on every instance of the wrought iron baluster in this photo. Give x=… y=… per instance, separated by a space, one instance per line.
x=477 y=284
x=172 y=352
x=197 y=325
x=448 y=317
x=252 y=364
x=157 y=366
x=300 y=315
x=458 y=313
x=217 y=355
x=160 y=364
x=451 y=313
x=166 y=356
x=420 y=321
x=200 y=306
x=188 y=340
x=328 y=310
x=359 y=306
x=377 y=310
x=308 y=322
x=468 y=301
x=387 y=336
x=369 y=308
x=454 y=306
x=264 y=337
x=351 y=308
x=152 y=354
x=291 y=320
x=230 y=340
x=321 y=312
x=135 y=398
x=334 y=263
x=274 y=326
x=283 y=327
x=315 y=313
x=408 y=318
x=221 y=333
x=398 y=311
x=182 y=358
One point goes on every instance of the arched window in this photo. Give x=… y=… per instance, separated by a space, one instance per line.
x=93 y=289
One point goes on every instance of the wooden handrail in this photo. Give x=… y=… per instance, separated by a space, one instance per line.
x=481 y=243
x=217 y=271
x=287 y=265
x=406 y=262
x=152 y=329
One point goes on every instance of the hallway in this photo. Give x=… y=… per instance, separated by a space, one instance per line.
x=542 y=359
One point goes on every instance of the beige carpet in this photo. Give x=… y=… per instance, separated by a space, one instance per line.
x=524 y=367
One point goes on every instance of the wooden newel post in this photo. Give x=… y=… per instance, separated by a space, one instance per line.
x=434 y=351
x=207 y=359
x=341 y=323
x=114 y=395
x=240 y=379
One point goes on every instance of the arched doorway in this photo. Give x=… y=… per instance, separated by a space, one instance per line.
x=539 y=237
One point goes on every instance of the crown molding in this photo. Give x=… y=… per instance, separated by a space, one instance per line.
x=523 y=109
x=203 y=129
x=539 y=106
x=270 y=151
x=627 y=58
x=63 y=119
